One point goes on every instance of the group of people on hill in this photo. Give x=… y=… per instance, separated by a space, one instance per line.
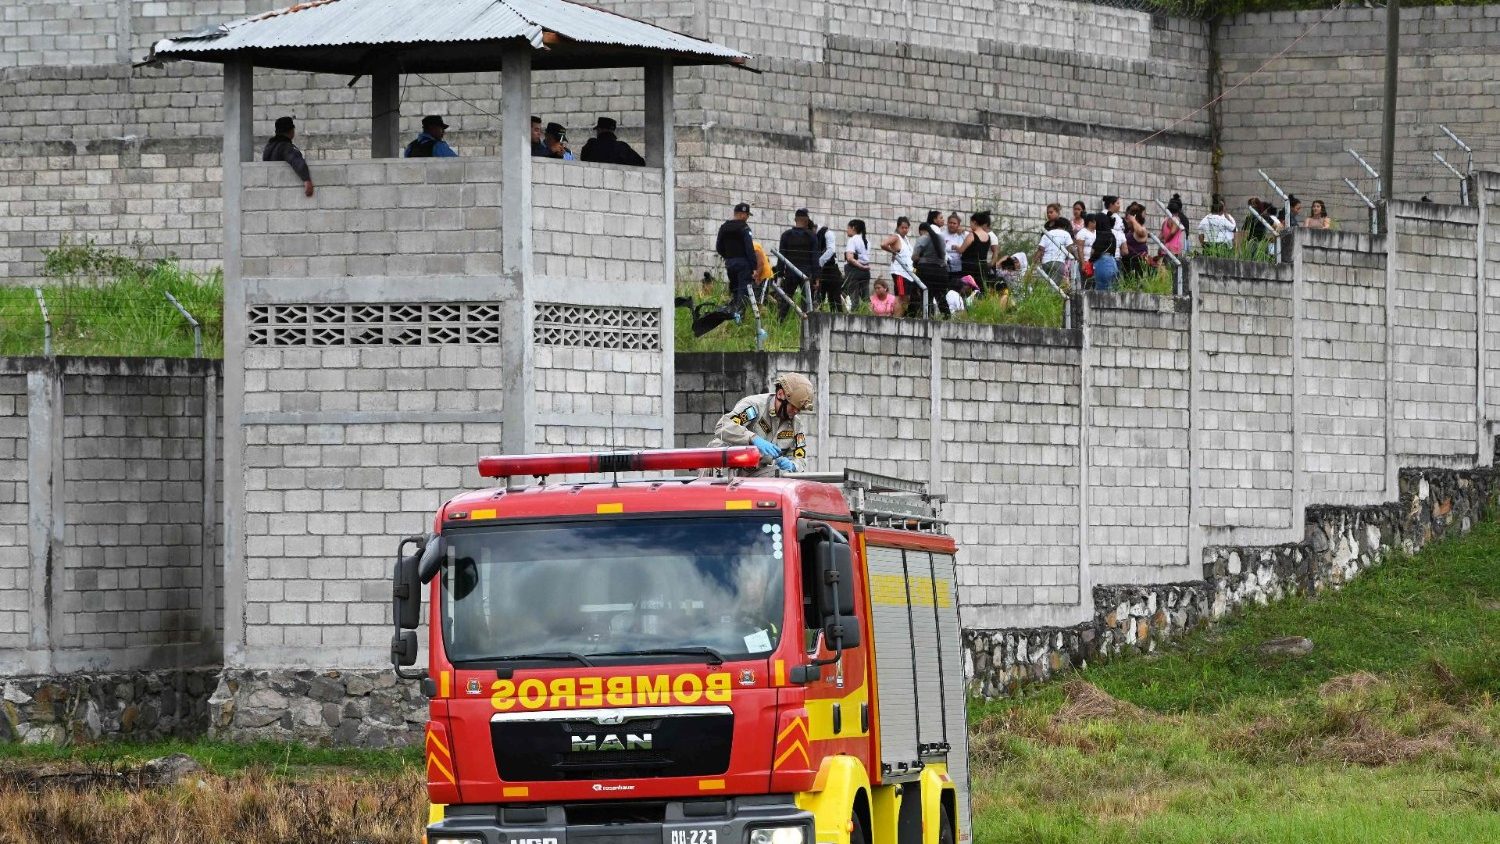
x=948 y=260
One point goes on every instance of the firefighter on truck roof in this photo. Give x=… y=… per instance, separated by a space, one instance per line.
x=769 y=422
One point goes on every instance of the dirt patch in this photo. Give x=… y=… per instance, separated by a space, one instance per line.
x=1087 y=702
x=1372 y=745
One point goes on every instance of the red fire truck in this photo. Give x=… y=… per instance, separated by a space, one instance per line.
x=712 y=659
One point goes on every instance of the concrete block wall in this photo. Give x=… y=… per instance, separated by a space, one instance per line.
x=1434 y=334
x=346 y=450
x=136 y=552
x=597 y=221
x=880 y=387
x=709 y=385
x=1010 y=453
x=1343 y=363
x=1243 y=370
x=110 y=511
x=15 y=556
x=1137 y=384
x=388 y=217
x=1295 y=119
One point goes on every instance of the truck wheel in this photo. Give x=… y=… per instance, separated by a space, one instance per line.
x=945 y=829
x=857 y=833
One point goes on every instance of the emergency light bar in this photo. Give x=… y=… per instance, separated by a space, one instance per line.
x=538 y=465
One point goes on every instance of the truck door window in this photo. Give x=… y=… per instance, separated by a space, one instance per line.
x=612 y=586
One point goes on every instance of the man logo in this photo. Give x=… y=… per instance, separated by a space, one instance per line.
x=593 y=743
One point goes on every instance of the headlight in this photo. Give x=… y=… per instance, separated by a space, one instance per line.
x=778 y=835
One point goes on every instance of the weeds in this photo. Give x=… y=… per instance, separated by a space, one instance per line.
x=104 y=303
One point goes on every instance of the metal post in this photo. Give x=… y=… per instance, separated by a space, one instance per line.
x=1374 y=219
x=1178 y=288
x=385 y=114
x=781 y=294
x=1379 y=185
x=1392 y=70
x=1463 y=192
x=41 y=302
x=1463 y=181
x=197 y=329
x=1275 y=187
x=806 y=283
x=922 y=287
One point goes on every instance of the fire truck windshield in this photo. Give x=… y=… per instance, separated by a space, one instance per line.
x=679 y=588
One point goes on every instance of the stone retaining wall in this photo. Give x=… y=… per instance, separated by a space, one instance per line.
x=135 y=705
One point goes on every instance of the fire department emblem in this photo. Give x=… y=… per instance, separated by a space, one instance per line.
x=473 y=687
x=747 y=677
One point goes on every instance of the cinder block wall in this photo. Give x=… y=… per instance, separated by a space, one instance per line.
x=1132 y=452
x=1295 y=119
x=110 y=510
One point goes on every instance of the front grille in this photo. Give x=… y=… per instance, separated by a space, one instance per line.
x=681 y=745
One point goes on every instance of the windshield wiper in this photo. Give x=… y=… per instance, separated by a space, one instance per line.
x=714 y=656
x=539 y=657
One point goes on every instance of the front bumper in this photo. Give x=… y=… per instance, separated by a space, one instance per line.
x=727 y=820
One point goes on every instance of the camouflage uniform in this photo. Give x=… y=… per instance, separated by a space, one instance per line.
x=754 y=416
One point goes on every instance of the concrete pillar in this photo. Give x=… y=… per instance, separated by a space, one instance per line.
x=208 y=627
x=46 y=508
x=661 y=151
x=385 y=115
x=239 y=111
x=1486 y=443
x=518 y=416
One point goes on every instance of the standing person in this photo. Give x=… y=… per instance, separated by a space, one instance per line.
x=978 y=248
x=538 y=141
x=1083 y=248
x=1102 y=254
x=1216 y=230
x=430 y=143
x=828 y=284
x=556 y=142
x=953 y=238
x=1293 y=212
x=931 y=260
x=605 y=148
x=736 y=245
x=856 y=262
x=1137 y=241
x=902 y=272
x=1052 y=251
x=1080 y=213
x=799 y=248
x=1054 y=212
x=1174 y=229
x=1116 y=223
x=281 y=148
x=1318 y=218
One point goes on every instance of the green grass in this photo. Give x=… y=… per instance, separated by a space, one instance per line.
x=102 y=303
x=219 y=757
x=1213 y=743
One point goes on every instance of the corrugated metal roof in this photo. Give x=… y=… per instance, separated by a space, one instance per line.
x=335 y=23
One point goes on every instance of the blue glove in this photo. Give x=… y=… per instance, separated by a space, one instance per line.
x=767 y=448
x=785 y=464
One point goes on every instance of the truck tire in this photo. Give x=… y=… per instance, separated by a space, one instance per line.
x=945 y=829
x=857 y=833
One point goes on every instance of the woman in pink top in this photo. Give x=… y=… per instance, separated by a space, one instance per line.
x=882 y=303
x=1080 y=214
x=1174 y=227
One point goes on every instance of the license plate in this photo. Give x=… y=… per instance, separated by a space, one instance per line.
x=695 y=836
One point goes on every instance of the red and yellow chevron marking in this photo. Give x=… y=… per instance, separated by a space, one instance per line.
x=440 y=758
x=792 y=742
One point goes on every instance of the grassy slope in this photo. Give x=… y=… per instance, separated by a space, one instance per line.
x=1229 y=746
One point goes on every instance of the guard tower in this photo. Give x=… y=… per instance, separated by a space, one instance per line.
x=414 y=313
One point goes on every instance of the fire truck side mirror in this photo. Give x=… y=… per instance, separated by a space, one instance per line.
x=404 y=648
x=406 y=593
x=433 y=556
x=836 y=578
x=841 y=631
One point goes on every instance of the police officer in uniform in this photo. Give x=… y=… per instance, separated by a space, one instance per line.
x=769 y=422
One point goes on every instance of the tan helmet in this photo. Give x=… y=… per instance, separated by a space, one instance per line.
x=798 y=389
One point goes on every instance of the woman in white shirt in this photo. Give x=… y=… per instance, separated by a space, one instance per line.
x=902 y=270
x=856 y=264
x=1083 y=243
x=1216 y=231
x=1052 y=251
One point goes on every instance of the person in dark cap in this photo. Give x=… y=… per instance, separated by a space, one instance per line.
x=556 y=142
x=605 y=148
x=800 y=248
x=736 y=245
x=538 y=142
x=281 y=148
x=430 y=143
